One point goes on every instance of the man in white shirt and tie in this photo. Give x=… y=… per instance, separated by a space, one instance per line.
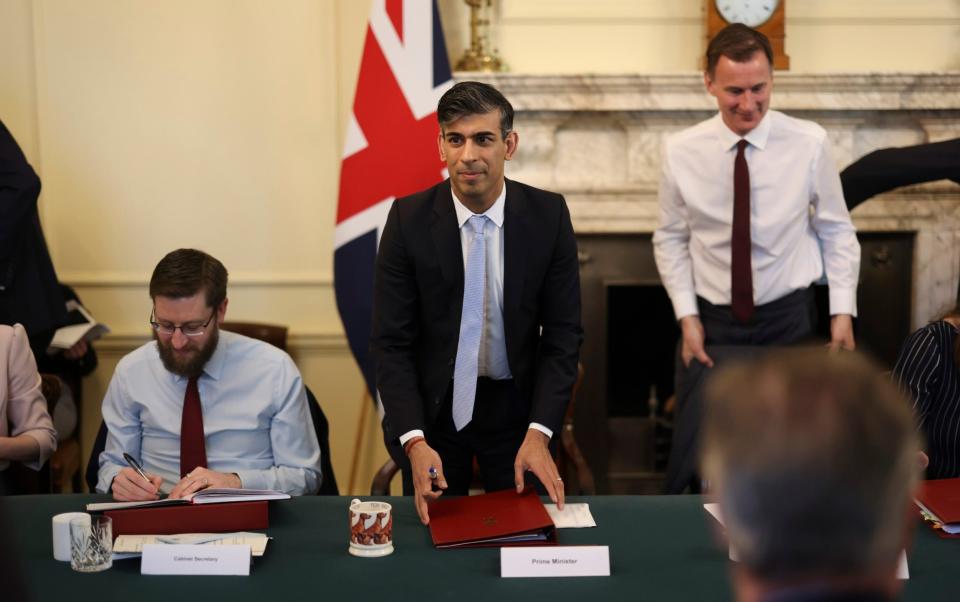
x=751 y=216
x=738 y=260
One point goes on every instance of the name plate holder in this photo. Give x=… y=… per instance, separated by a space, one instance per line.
x=555 y=561
x=197 y=559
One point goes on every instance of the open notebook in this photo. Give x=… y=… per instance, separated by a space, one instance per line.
x=204 y=496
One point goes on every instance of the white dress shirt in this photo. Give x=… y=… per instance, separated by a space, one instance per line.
x=492 y=361
x=800 y=228
x=256 y=421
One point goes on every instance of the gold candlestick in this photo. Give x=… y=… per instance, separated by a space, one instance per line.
x=477 y=58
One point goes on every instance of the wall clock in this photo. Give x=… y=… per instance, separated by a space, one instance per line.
x=766 y=16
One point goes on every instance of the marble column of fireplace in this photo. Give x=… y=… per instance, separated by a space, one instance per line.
x=596 y=139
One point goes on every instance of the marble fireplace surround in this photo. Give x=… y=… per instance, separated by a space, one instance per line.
x=596 y=139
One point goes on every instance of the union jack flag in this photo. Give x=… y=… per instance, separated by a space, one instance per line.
x=390 y=151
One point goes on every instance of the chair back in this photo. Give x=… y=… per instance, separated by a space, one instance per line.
x=274 y=334
x=328 y=486
x=93 y=464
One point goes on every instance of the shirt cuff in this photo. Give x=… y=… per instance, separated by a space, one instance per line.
x=105 y=479
x=253 y=479
x=539 y=427
x=685 y=305
x=843 y=301
x=410 y=435
x=43 y=443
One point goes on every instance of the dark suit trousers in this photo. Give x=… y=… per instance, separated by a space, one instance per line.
x=789 y=320
x=500 y=421
x=786 y=321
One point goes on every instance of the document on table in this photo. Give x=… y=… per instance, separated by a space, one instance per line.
x=573 y=516
x=210 y=495
x=134 y=543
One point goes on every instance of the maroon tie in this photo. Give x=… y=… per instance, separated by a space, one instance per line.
x=193 y=448
x=741 y=276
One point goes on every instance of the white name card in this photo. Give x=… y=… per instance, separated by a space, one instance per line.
x=168 y=559
x=555 y=561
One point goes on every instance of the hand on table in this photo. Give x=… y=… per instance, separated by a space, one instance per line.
x=129 y=486
x=422 y=458
x=202 y=478
x=534 y=455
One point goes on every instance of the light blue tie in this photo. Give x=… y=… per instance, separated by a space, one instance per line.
x=471 y=326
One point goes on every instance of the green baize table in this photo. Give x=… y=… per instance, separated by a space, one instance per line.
x=661 y=548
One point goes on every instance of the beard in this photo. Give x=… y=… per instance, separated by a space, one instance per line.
x=191 y=365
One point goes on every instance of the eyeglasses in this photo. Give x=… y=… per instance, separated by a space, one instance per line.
x=190 y=329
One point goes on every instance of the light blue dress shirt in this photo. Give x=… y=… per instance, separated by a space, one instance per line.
x=256 y=421
x=492 y=362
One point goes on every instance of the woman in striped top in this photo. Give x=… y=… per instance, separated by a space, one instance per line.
x=928 y=371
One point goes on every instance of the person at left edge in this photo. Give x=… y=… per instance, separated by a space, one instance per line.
x=476 y=326
x=250 y=426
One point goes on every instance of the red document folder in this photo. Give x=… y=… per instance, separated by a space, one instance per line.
x=942 y=498
x=496 y=519
x=190 y=518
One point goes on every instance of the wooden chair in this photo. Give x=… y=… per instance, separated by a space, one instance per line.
x=269 y=333
x=18 y=479
x=65 y=462
x=569 y=459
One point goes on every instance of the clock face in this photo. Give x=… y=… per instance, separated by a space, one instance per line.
x=749 y=12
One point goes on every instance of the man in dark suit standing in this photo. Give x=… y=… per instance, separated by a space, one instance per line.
x=476 y=327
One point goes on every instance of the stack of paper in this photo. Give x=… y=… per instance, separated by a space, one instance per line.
x=133 y=544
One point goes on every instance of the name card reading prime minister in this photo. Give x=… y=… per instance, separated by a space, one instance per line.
x=558 y=561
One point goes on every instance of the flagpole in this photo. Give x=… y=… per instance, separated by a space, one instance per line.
x=358 y=439
x=403 y=72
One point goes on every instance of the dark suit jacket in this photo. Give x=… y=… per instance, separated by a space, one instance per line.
x=29 y=291
x=890 y=168
x=822 y=593
x=418 y=294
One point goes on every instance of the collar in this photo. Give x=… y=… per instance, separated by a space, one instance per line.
x=214 y=366
x=757 y=137
x=494 y=213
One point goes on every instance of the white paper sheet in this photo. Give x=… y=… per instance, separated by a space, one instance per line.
x=573 y=516
x=135 y=543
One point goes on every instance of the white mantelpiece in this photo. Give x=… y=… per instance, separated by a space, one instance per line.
x=596 y=139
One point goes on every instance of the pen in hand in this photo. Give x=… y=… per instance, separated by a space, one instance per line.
x=136 y=466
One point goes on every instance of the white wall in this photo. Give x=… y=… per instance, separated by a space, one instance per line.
x=219 y=123
x=665 y=36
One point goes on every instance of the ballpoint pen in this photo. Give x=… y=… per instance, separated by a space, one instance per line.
x=134 y=465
